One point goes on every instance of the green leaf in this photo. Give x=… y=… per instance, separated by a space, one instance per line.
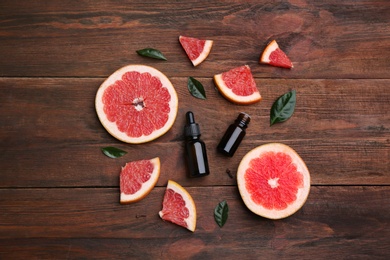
x=151 y=53
x=221 y=213
x=113 y=152
x=196 y=88
x=283 y=108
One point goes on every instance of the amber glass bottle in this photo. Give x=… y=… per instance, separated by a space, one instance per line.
x=195 y=149
x=234 y=135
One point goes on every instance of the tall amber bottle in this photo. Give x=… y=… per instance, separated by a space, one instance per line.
x=195 y=149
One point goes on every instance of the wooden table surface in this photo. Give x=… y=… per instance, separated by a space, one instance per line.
x=59 y=195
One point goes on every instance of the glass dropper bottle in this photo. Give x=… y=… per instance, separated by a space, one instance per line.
x=195 y=149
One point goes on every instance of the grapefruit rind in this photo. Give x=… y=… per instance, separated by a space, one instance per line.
x=189 y=203
x=231 y=96
x=203 y=55
x=271 y=47
x=112 y=128
x=146 y=186
x=301 y=195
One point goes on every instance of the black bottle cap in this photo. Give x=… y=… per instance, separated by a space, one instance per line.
x=243 y=119
x=191 y=129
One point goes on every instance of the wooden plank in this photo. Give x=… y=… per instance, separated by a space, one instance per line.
x=49 y=126
x=339 y=222
x=324 y=39
x=177 y=248
x=59 y=195
x=330 y=163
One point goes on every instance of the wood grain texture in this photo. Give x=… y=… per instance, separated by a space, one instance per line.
x=340 y=128
x=59 y=195
x=61 y=219
x=324 y=40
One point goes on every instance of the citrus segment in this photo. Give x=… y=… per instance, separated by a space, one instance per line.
x=274 y=56
x=137 y=104
x=178 y=206
x=197 y=50
x=273 y=181
x=238 y=85
x=137 y=179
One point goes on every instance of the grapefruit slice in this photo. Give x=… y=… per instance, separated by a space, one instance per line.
x=273 y=181
x=274 y=56
x=136 y=104
x=238 y=86
x=197 y=50
x=178 y=206
x=137 y=179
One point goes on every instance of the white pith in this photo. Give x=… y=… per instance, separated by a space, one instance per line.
x=302 y=193
x=146 y=186
x=112 y=128
x=230 y=95
x=189 y=203
x=268 y=50
x=273 y=183
x=138 y=100
x=204 y=54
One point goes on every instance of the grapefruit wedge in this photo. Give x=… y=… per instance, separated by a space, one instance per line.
x=274 y=56
x=197 y=50
x=238 y=86
x=178 y=206
x=136 y=104
x=273 y=181
x=137 y=179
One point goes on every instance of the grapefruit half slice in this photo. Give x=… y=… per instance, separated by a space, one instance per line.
x=273 y=181
x=238 y=86
x=274 y=56
x=136 y=104
x=137 y=179
x=197 y=50
x=178 y=206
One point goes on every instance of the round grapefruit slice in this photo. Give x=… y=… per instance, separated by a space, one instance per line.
x=274 y=56
x=197 y=50
x=137 y=179
x=273 y=181
x=238 y=86
x=178 y=206
x=136 y=104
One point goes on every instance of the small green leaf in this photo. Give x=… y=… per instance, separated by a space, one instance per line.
x=151 y=53
x=221 y=213
x=283 y=108
x=113 y=152
x=196 y=88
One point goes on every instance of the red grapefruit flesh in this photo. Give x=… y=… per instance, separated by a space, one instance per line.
x=273 y=181
x=137 y=179
x=178 y=206
x=274 y=56
x=137 y=104
x=238 y=86
x=197 y=50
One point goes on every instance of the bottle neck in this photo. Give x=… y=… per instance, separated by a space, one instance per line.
x=194 y=137
x=243 y=120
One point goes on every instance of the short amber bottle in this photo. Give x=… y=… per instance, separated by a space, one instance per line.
x=195 y=149
x=234 y=135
